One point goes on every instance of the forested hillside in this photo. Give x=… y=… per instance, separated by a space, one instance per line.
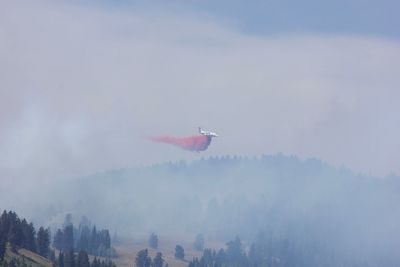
x=308 y=208
x=21 y=245
x=85 y=237
x=18 y=233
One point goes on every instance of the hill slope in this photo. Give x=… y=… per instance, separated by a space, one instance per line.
x=25 y=257
x=331 y=212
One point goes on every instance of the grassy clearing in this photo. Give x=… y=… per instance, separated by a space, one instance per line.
x=127 y=252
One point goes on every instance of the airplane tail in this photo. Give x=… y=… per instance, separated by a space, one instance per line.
x=200 y=130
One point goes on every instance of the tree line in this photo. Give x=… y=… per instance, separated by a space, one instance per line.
x=266 y=251
x=85 y=237
x=18 y=233
x=69 y=259
x=143 y=259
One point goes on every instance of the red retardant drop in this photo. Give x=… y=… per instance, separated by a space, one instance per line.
x=192 y=143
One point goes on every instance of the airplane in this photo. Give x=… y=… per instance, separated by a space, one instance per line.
x=207 y=133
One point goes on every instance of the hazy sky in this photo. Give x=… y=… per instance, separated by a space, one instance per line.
x=83 y=82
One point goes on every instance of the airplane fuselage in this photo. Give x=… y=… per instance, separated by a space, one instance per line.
x=207 y=133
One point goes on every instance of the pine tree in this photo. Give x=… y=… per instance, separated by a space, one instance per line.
x=208 y=257
x=28 y=232
x=69 y=259
x=84 y=238
x=67 y=220
x=15 y=235
x=58 y=241
x=95 y=262
x=43 y=241
x=220 y=258
x=83 y=259
x=199 y=242
x=153 y=241
x=93 y=245
x=179 y=252
x=158 y=261
x=68 y=238
x=106 y=240
x=235 y=253
x=142 y=259
x=52 y=255
x=61 y=259
x=2 y=247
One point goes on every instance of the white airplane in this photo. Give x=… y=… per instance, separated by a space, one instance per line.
x=207 y=133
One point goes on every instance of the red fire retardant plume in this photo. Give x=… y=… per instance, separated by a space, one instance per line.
x=192 y=143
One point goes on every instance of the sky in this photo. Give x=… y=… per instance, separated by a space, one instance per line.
x=83 y=83
x=377 y=18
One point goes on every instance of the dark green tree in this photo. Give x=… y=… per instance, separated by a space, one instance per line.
x=235 y=254
x=142 y=259
x=208 y=257
x=93 y=245
x=199 y=242
x=220 y=258
x=69 y=259
x=105 y=238
x=2 y=247
x=158 y=260
x=61 y=259
x=29 y=236
x=67 y=220
x=68 y=238
x=15 y=235
x=52 y=255
x=58 y=240
x=153 y=241
x=95 y=262
x=179 y=252
x=83 y=259
x=194 y=263
x=43 y=241
x=84 y=239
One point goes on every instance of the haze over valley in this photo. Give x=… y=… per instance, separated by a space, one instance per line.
x=199 y=133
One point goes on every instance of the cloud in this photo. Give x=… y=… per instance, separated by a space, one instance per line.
x=81 y=85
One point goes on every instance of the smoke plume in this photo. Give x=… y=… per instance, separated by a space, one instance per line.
x=192 y=143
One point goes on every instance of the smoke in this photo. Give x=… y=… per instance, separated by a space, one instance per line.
x=192 y=143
